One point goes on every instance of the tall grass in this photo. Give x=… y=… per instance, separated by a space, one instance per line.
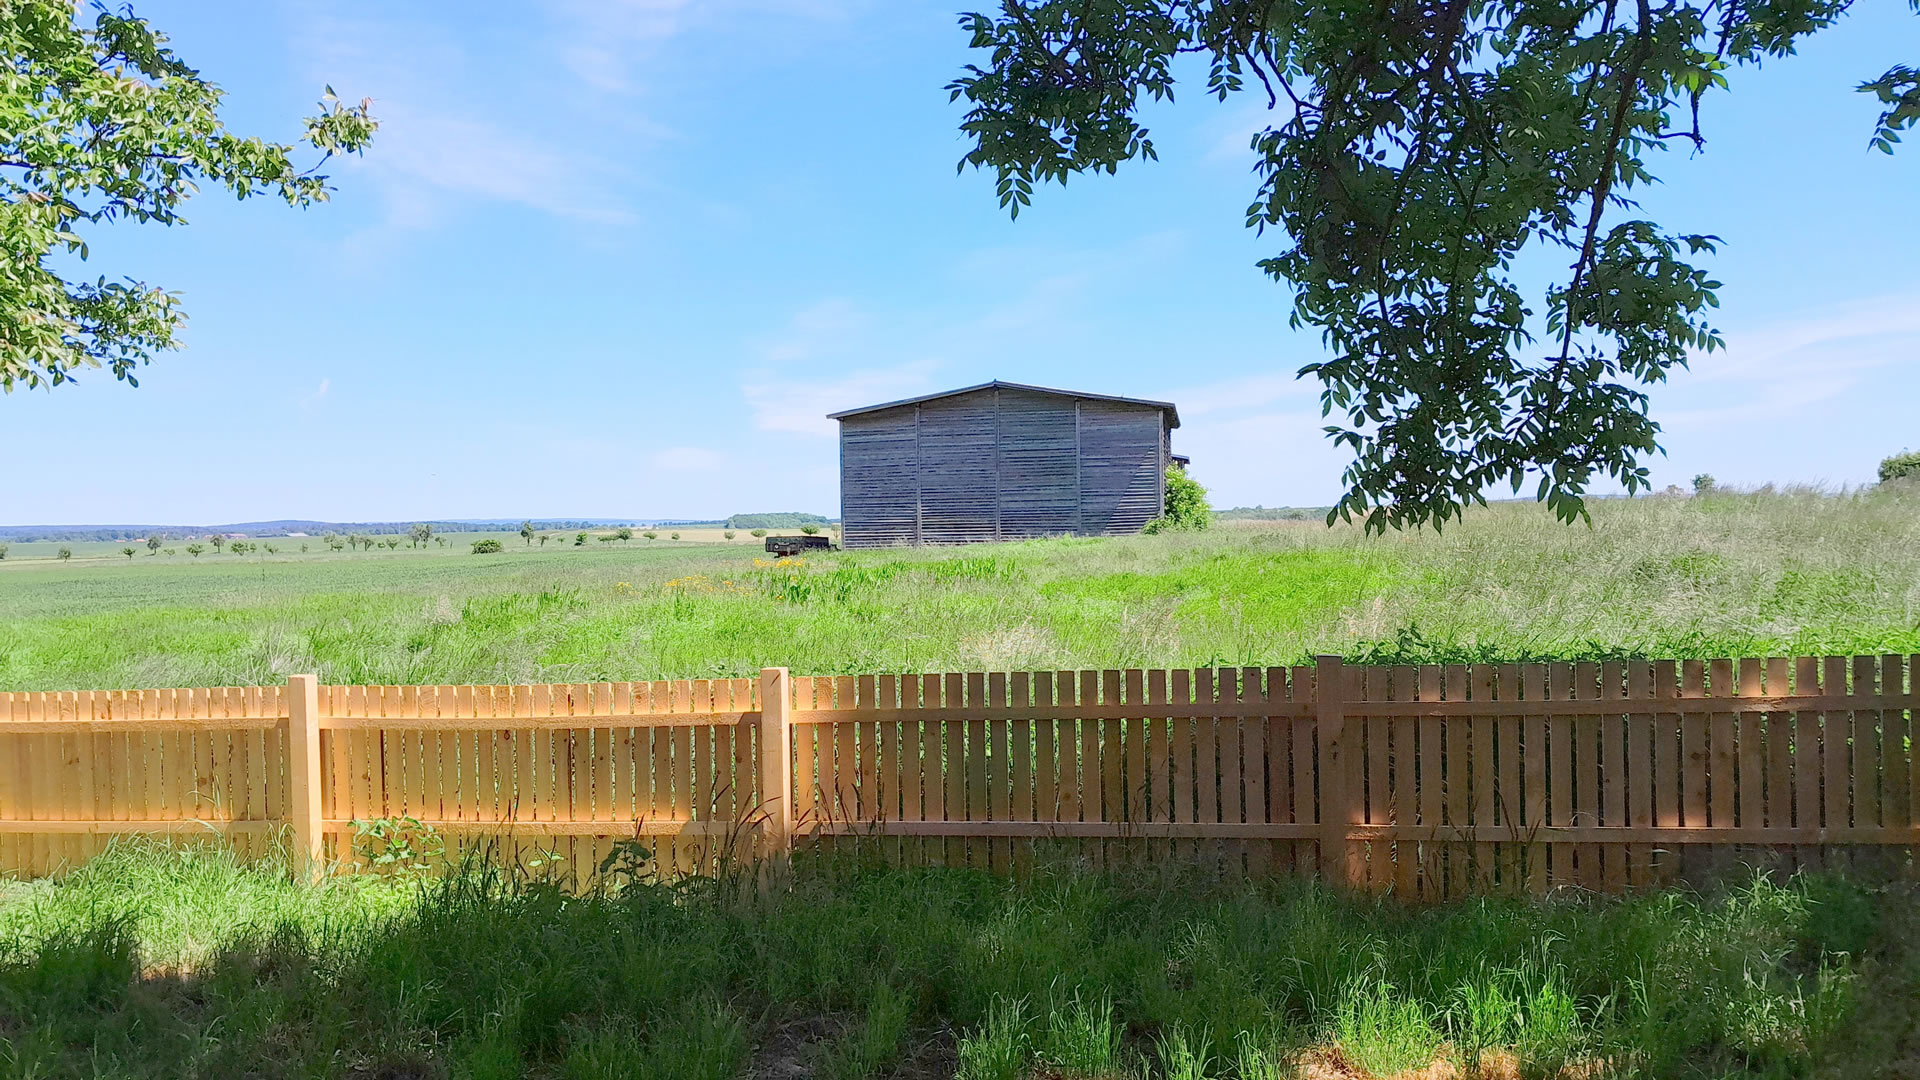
x=1729 y=574
x=1144 y=973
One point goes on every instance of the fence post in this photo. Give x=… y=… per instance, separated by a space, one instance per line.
x=1337 y=795
x=776 y=763
x=303 y=773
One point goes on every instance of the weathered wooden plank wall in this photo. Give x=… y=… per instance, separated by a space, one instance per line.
x=1000 y=464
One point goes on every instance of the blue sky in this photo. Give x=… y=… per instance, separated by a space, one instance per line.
x=619 y=258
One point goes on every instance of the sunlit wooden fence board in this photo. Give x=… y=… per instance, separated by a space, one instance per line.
x=1424 y=781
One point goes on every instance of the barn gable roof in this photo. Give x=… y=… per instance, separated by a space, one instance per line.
x=1173 y=414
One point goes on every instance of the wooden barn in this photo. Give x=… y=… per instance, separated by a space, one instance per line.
x=1001 y=461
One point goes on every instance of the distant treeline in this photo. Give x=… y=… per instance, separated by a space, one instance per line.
x=84 y=533
x=1274 y=513
x=774 y=521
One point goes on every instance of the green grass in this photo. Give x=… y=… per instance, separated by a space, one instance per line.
x=1794 y=573
x=149 y=963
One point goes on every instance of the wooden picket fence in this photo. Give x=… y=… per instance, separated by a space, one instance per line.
x=1428 y=782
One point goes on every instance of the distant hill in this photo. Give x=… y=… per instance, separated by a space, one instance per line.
x=1273 y=513
x=774 y=521
x=285 y=527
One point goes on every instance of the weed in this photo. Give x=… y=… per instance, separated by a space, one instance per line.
x=1082 y=1039
x=1383 y=1031
x=999 y=1049
x=401 y=846
x=1255 y=1058
x=1183 y=1056
x=872 y=1043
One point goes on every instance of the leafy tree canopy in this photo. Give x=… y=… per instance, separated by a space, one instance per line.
x=101 y=122
x=1420 y=148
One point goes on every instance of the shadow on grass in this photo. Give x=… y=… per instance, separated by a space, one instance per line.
x=851 y=971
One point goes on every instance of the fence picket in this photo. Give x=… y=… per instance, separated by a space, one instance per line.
x=1451 y=779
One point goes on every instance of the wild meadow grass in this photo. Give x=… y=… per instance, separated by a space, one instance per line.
x=1725 y=575
x=148 y=963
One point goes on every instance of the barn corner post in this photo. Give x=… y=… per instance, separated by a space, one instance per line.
x=776 y=768
x=303 y=775
x=1339 y=795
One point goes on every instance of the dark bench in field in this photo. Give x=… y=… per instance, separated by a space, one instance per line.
x=794 y=545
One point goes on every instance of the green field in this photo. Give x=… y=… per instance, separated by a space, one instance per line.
x=1728 y=575
x=147 y=963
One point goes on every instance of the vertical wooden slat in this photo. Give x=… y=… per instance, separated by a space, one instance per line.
x=1665 y=779
x=999 y=773
x=1560 y=687
x=977 y=851
x=10 y=809
x=1159 y=751
x=916 y=752
x=1481 y=691
x=1046 y=753
x=1389 y=861
x=1307 y=857
x=1230 y=743
x=1424 y=684
x=1895 y=804
x=887 y=700
x=1184 y=790
x=303 y=774
x=1072 y=784
x=1779 y=748
x=1139 y=790
x=1695 y=761
x=1206 y=764
x=1092 y=775
x=82 y=786
x=1722 y=757
x=1456 y=733
x=624 y=740
x=1253 y=772
x=680 y=741
x=1913 y=760
x=1112 y=764
x=954 y=767
x=1808 y=808
x=1835 y=754
x=1279 y=740
x=807 y=739
x=1410 y=854
x=933 y=757
x=1640 y=768
x=1864 y=746
x=1586 y=774
x=1020 y=736
x=1534 y=778
x=264 y=767
x=1613 y=779
x=1752 y=779
x=36 y=779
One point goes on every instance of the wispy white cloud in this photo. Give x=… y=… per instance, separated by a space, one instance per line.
x=479 y=158
x=831 y=355
x=1269 y=459
x=451 y=134
x=1774 y=371
x=1241 y=393
x=312 y=400
x=799 y=405
x=602 y=42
